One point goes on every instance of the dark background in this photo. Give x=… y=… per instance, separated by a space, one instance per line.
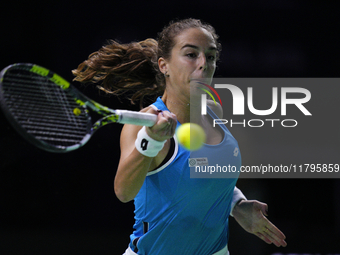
x=65 y=204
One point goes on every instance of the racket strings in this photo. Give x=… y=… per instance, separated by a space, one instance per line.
x=44 y=109
x=35 y=129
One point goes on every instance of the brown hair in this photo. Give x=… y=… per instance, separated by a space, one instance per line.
x=134 y=66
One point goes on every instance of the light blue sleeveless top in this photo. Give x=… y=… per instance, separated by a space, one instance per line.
x=176 y=214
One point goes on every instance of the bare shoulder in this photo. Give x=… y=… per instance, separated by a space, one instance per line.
x=216 y=108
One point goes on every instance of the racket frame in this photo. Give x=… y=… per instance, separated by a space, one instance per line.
x=109 y=115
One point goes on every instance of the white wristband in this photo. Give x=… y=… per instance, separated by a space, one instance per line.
x=237 y=196
x=146 y=145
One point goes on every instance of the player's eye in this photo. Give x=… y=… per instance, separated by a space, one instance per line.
x=211 y=57
x=191 y=55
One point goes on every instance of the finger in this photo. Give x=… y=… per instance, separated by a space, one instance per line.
x=164 y=119
x=269 y=236
x=276 y=236
x=162 y=129
x=159 y=114
x=174 y=124
x=168 y=118
x=264 y=238
x=166 y=124
x=275 y=231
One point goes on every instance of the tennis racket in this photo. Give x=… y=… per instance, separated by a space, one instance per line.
x=52 y=114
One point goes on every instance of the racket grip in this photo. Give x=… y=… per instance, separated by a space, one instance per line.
x=136 y=118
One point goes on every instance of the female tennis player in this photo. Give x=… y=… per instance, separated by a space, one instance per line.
x=175 y=214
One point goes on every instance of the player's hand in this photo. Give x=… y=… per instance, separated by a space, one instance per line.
x=165 y=126
x=251 y=215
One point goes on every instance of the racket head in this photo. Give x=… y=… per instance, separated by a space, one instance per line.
x=44 y=108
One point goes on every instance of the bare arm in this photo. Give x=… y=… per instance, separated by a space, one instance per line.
x=133 y=166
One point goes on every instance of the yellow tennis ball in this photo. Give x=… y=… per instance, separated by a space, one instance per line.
x=76 y=111
x=191 y=136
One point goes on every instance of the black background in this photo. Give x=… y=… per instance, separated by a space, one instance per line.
x=65 y=204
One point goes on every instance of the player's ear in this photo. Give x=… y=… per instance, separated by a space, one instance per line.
x=162 y=64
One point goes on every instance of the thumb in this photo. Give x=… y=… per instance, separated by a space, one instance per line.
x=265 y=209
x=262 y=207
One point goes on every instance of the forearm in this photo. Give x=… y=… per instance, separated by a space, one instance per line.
x=141 y=152
x=130 y=175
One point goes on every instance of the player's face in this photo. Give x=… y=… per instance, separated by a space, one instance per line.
x=192 y=57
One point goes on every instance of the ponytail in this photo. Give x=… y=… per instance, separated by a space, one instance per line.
x=120 y=68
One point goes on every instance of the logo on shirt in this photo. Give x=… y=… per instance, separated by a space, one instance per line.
x=236 y=151
x=198 y=162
